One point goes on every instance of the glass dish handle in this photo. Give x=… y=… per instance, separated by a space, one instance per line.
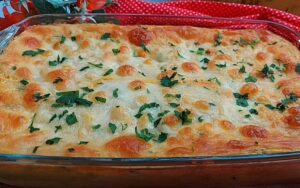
x=7 y=35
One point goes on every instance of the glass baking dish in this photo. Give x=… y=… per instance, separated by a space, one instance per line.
x=243 y=170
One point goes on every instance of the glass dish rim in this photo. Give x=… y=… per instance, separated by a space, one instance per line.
x=25 y=158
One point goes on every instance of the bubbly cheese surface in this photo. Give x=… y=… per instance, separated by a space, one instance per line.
x=103 y=90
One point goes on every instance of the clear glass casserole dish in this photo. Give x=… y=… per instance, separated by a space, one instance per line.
x=33 y=170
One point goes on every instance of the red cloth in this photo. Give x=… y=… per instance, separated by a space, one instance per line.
x=207 y=8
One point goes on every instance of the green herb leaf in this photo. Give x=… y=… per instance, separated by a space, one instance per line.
x=268 y=73
x=221 y=65
x=115 y=51
x=252 y=43
x=33 y=53
x=179 y=55
x=95 y=127
x=184 y=116
x=52 y=118
x=37 y=97
x=71 y=119
x=108 y=72
x=241 y=100
x=115 y=93
x=218 y=39
x=62 y=39
x=57 y=61
x=174 y=105
x=31 y=128
x=215 y=79
x=124 y=126
x=162 y=137
x=84 y=68
x=57 y=128
x=178 y=96
x=53 y=141
x=297 y=69
x=168 y=82
x=24 y=82
x=68 y=98
x=62 y=114
x=100 y=65
x=200 y=119
x=57 y=80
x=271 y=107
x=144 y=47
x=200 y=51
x=83 y=143
x=250 y=78
x=105 y=36
x=253 y=111
x=144 y=134
x=146 y=106
x=101 y=99
x=242 y=70
x=87 y=89
x=71 y=149
x=73 y=38
x=112 y=127
x=35 y=149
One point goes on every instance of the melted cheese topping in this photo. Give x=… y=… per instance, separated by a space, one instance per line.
x=101 y=90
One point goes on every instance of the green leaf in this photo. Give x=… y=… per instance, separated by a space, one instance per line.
x=57 y=80
x=112 y=127
x=162 y=137
x=271 y=107
x=101 y=99
x=144 y=47
x=105 y=36
x=168 y=82
x=200 y=119
x=84 y=68
x=268 y=73
x=37 y=97
x=73 y=38
x=24 y=82
x=31 y=128
x=71 y=119
x=57 y=128
x=146 y=106
x=242 y=70
x=62 y=114
x=87 y=89
x=241 y=100
x=95 y=127
x=174 y=105
x=83 y=143
x=57 y=61
x=53 y=141
x=62 y=39
x=250 y=78
x=144 y=134
x=215 y=79
x=115 y=93
x=35 y=149
x=52 y=118
x=100 y=65
x=218 y=39
x=115 y=51
x=108 y=72
x=184 y=116
x=178 y=96
x=33 y=53
x=221 y=65
x=68 y=98
x=297 y=69
x=253 y=111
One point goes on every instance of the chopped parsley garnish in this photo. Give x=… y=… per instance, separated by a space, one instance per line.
x=250 y=78
x=31 y=128
x=218 y=39
x=162 y=137
x=178 y=96
x=179 y=55
x=285 y=102
x=200 y=119
x=80 y=57
x=211 y=104
x=253 y=111
x=108 y=72
x=87 y=89
x=57 y=128
x=174 y=105
x=105 y=36
x=100 y=65
x=62 y=114
x=83 y=143
x=124 y=126
x=144 y=134
x=37 y=97
x=215 y=79
x=33 y=53
x=268 y=73
x=252 y=43
x=24 y=82
x=242 y=70
x=53 y=141
x=95 y=127
x=57 y=61
x=69 y=98
x=52 y=118
x=171 y=44
x=35 y=149
x=168 y=82
x=100 y=99
x=144 y=47
x=84 y=68
x=73 y=38
x=200 y=51
x=14 y=68
x=297 y=69
x=271 y=107
x=150 y=117
x=184 y=116
x=71 y=119
x=115 y=51
x=144 y=107
x=57 y=80
x=62 y=39
x=247 y=116
x=115 y=93
x=204 y=60
x=112 y=127
x=241 y=100
x=221 y=65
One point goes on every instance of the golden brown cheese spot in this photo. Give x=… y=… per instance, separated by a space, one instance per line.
x=171 y=120
x=190 y=67
x=139 y=36
x=254 y=131
x=85 y=44
x=124 y=49
x=235 y=74
x=8 y=98
x=201 y=105
x=32 y=42
x=28 y=98
x=65 y=74
x=24 y=73
x=249 y=89
x=294 y=110
x=136 y=85
x=81 y=151
x=9 y=121
x=237 y=144
x=290 y=85
x=143 y=99
x=148 y=62
x=226 y=125
x=179 y=151
x=261 y=56
x=126 y=70
x=142 y=53
x=223 y=57
x=187 y=32
x=120 y=114
x=127 y=146
x=293 y=121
